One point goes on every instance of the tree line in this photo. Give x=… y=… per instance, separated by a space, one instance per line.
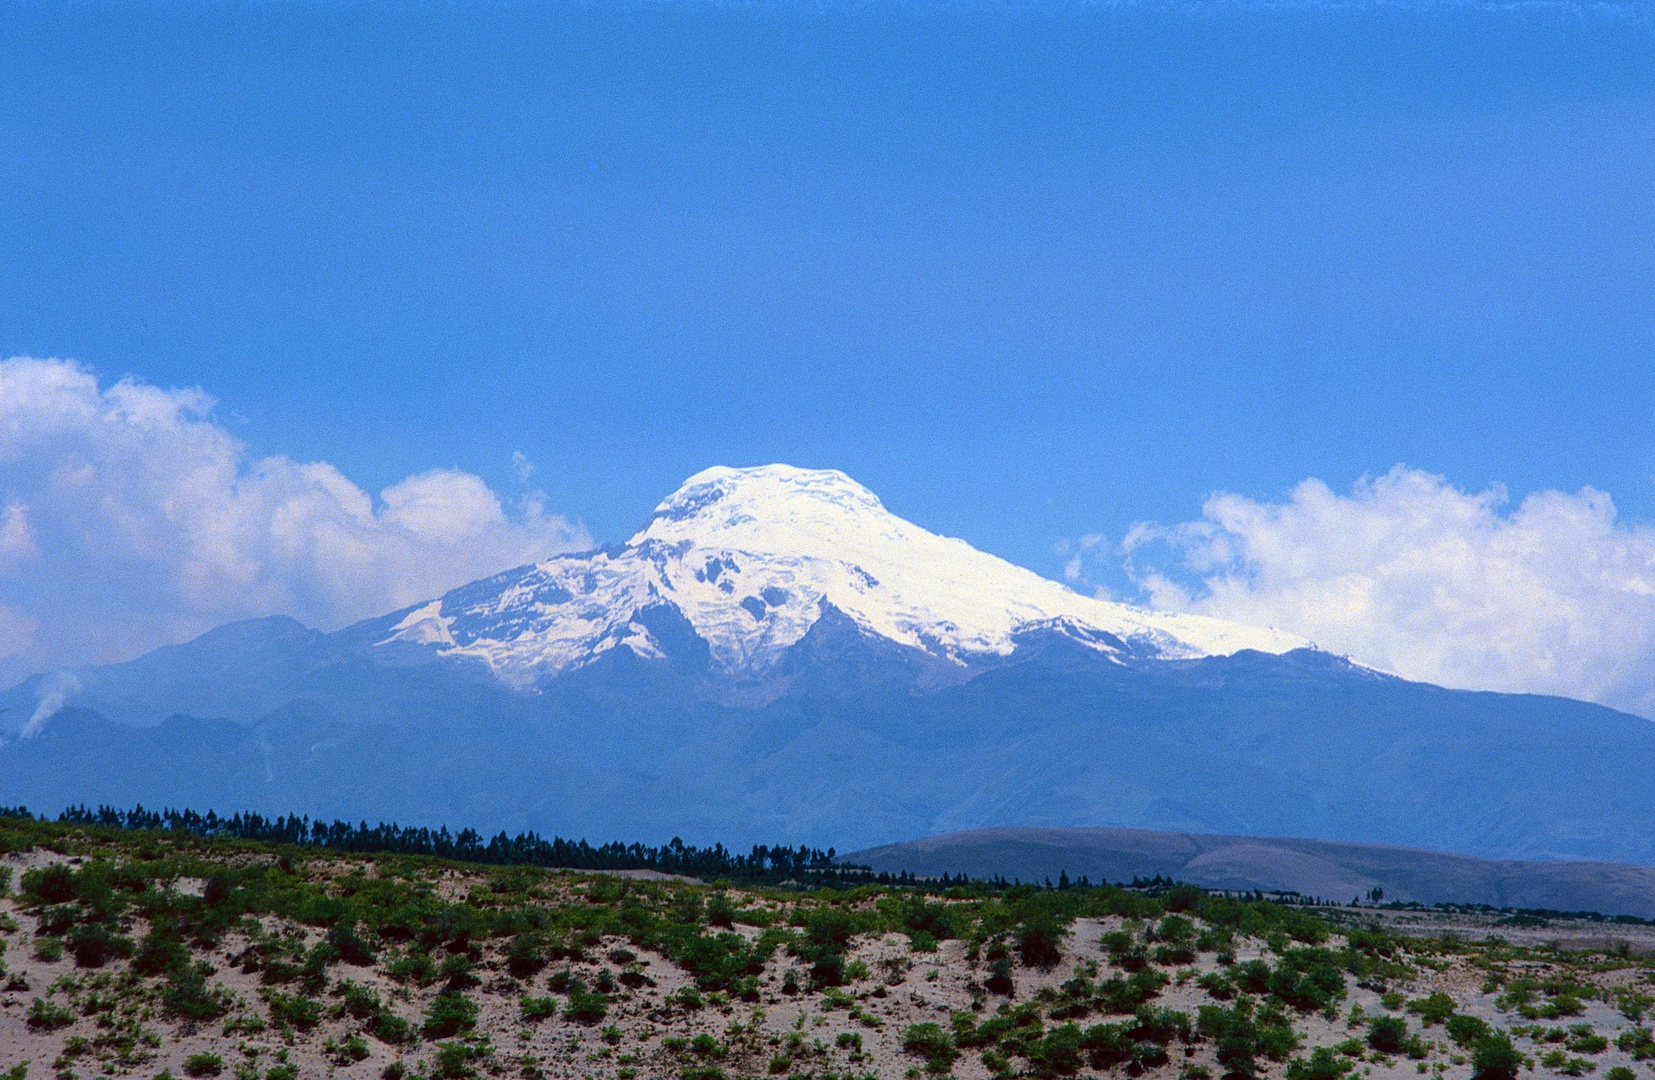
x=764 y=862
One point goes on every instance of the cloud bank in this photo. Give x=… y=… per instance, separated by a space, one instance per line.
x=1410 y=574
x=129 y=518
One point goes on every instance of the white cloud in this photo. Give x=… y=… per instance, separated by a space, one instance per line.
x=130 y=518
x=1410 y=574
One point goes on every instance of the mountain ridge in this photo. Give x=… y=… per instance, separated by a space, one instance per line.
x=838 y=734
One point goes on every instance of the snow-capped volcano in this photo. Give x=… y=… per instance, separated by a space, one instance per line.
x=814 y=664
x=750 y=559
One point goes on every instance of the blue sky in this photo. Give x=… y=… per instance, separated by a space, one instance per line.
x=1033 y=272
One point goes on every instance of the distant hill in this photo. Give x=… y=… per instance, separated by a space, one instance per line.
x=1326 y=869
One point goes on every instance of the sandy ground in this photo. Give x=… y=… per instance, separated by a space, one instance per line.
x=1569 y=934
x=856 y=1032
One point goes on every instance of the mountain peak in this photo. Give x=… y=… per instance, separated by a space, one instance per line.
x=734 y=504
x=751 y=558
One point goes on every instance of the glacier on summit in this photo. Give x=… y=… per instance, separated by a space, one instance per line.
x=752 y=558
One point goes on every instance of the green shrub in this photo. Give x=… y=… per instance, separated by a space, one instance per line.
x=584 y=1006
x=352 y=946
x=389 y=1028
x=189 y=997
x=1040 y=941
x=458 y=973
x=203 y=1065
x=1276 y=1039
x=48 y=949
x=1466 y=1031
x=54 y=884
x=1495 y=1058
x=1118 y=995
x=1633 y=1004
x=1175 y=929
x=1620 y=1072
x=46 y=1016
x=1638 y=1042
x=1386 y=1034
x=526 y=954
x=1561 y=1005
x=702 y=1072
x=95 y=944
x=1253 y=976
x=1214 y=939
x=414 y=967
x=1322 y=1064
x=359 y=1001
x=1235 y=1038
x=1434 y=1009
x=294 y=1011
x=1585 y=1042
x=932 y=1043
x=1306 y=981
x=1217 y=984
x=159 y=955
x=1124 y=952
x=1110 y=1045
x=453 y=1061
x=448 y=1015
x=55 y=921
x=1558 y=1061
x=1058 y=1053
x=352 y=1050
x=1160 y=1026
x=828 y=970
x=686 y=908
x=283 y=1071
x=536 y=1009
x=720 y=911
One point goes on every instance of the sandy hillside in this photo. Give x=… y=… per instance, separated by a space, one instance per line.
x=442 y=990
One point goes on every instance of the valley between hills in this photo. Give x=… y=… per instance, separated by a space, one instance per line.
x=161 y=955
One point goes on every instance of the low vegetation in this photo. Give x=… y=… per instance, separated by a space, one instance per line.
x=168 y=953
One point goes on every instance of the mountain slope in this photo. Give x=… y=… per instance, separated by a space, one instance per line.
x=774 y=654
x=1252 y=744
